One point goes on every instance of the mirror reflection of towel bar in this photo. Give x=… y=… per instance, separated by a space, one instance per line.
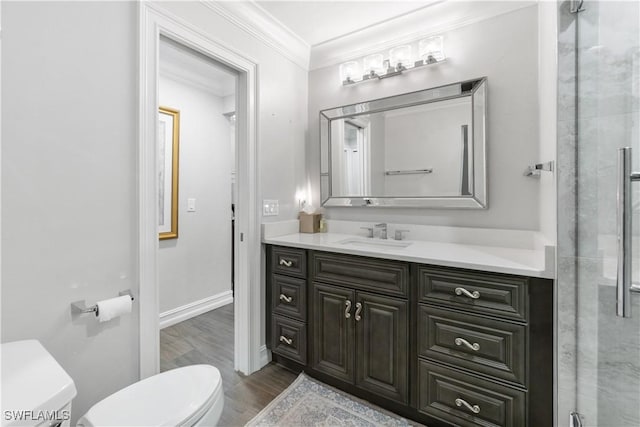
x=409 y=172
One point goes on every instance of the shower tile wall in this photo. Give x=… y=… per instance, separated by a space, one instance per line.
x=598 y=353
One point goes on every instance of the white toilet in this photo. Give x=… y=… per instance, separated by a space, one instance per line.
x=189 y=396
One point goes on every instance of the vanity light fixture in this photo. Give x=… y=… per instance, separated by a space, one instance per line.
x=430 y=51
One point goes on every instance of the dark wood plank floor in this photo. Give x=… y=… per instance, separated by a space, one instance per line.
x=208 y=338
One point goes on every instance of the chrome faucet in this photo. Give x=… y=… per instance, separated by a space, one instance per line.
x=383 y=229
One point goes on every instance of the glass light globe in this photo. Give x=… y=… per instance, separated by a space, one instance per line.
x=373 y=64
x=400 y=57
x=350 y=71
x=431 y=50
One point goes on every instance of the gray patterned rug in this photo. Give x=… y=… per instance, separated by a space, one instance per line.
x=308 y=403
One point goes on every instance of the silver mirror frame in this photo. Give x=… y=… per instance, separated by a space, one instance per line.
x=478 y=199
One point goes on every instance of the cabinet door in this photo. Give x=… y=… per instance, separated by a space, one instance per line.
x=332 y=331
x=382 y=364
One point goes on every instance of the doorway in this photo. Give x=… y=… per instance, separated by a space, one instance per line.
x=156 y=23
x=195 y=260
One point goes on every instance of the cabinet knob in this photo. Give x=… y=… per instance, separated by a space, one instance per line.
x=285 y=262
x=347 y=309
x=285 y=298
x=463 y=291
x=358 y=310
x=473 y=408
x=287 y=341
x=461 y=341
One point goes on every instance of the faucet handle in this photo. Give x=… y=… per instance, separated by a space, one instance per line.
x=369 y=229
x=399 y=235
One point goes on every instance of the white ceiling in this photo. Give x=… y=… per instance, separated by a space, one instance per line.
x=317 y=22
x=182 y=64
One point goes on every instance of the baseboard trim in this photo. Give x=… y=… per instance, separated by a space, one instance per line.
x=193 y=309
x=265 y=356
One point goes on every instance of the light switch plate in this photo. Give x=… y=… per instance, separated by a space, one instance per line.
x=270 y=208
x=191 y=205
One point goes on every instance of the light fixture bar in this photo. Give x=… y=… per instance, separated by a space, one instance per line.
x=391 y=72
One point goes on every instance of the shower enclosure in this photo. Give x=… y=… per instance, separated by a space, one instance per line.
x=598 y=312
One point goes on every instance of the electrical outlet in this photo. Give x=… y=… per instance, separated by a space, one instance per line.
x=270 y=208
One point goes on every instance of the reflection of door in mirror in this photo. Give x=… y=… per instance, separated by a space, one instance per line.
x=351 y=156
x=354 y=162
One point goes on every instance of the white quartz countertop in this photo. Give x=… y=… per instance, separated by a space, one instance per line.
x=522 y=262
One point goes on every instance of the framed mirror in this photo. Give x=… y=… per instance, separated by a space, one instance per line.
x=422 y=149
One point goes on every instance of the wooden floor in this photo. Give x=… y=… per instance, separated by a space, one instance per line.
x=208 y=338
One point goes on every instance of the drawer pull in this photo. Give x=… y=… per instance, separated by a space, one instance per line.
x=475 y=408
x=347 y=309
x=285 y=262
x=285 y=298
x=287 y=341
x=461 y=341
x=463 y=291
x=358 y=310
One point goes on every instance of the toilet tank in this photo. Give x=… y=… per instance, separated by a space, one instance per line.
x=36 y=391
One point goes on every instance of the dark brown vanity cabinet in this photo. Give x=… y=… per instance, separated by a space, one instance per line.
x=361 y=338
x=443 y=346
x=359 y=332
x=288 y=308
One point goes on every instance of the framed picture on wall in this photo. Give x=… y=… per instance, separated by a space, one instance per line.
x=168 y=161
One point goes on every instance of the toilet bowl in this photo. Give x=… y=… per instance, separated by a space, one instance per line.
x=188 y=396
x=36 y=391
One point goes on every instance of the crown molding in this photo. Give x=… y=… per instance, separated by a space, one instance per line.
x=259 y=23
x=436 y=19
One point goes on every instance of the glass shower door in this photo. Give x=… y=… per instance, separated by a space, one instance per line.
x=599 y=234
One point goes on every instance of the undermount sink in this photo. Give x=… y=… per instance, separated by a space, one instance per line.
x=374 y=243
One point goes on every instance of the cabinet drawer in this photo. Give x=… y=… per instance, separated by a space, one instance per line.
x=484 y=346
x=377 y=275
x=464 y=400
x=289 y=339
x=289 y=296
x=289 y=261
x=495 y=295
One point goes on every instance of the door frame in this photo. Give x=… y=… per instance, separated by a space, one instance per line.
x=155 y=21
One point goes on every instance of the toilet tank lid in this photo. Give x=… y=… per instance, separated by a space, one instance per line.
x=32 y=380
x=171 y=398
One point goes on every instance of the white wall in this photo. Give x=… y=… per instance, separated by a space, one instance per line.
x=197 y=264
x=69 y=204
x=503 y=48
x=69 y=161
x=426 y=137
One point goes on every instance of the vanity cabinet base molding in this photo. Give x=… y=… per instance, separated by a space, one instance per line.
x=442 y=346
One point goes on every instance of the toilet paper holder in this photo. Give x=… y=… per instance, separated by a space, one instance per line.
x=80 y=307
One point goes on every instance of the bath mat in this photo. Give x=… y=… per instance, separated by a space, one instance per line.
x=307 y=402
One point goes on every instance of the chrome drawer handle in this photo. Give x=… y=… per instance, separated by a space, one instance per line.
x=475 y=408
x=358 y=310
x=285 y=262
x=461 y=341
x=287 y=341
x=347 y=309
x=474 y=294
x=285 y=298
